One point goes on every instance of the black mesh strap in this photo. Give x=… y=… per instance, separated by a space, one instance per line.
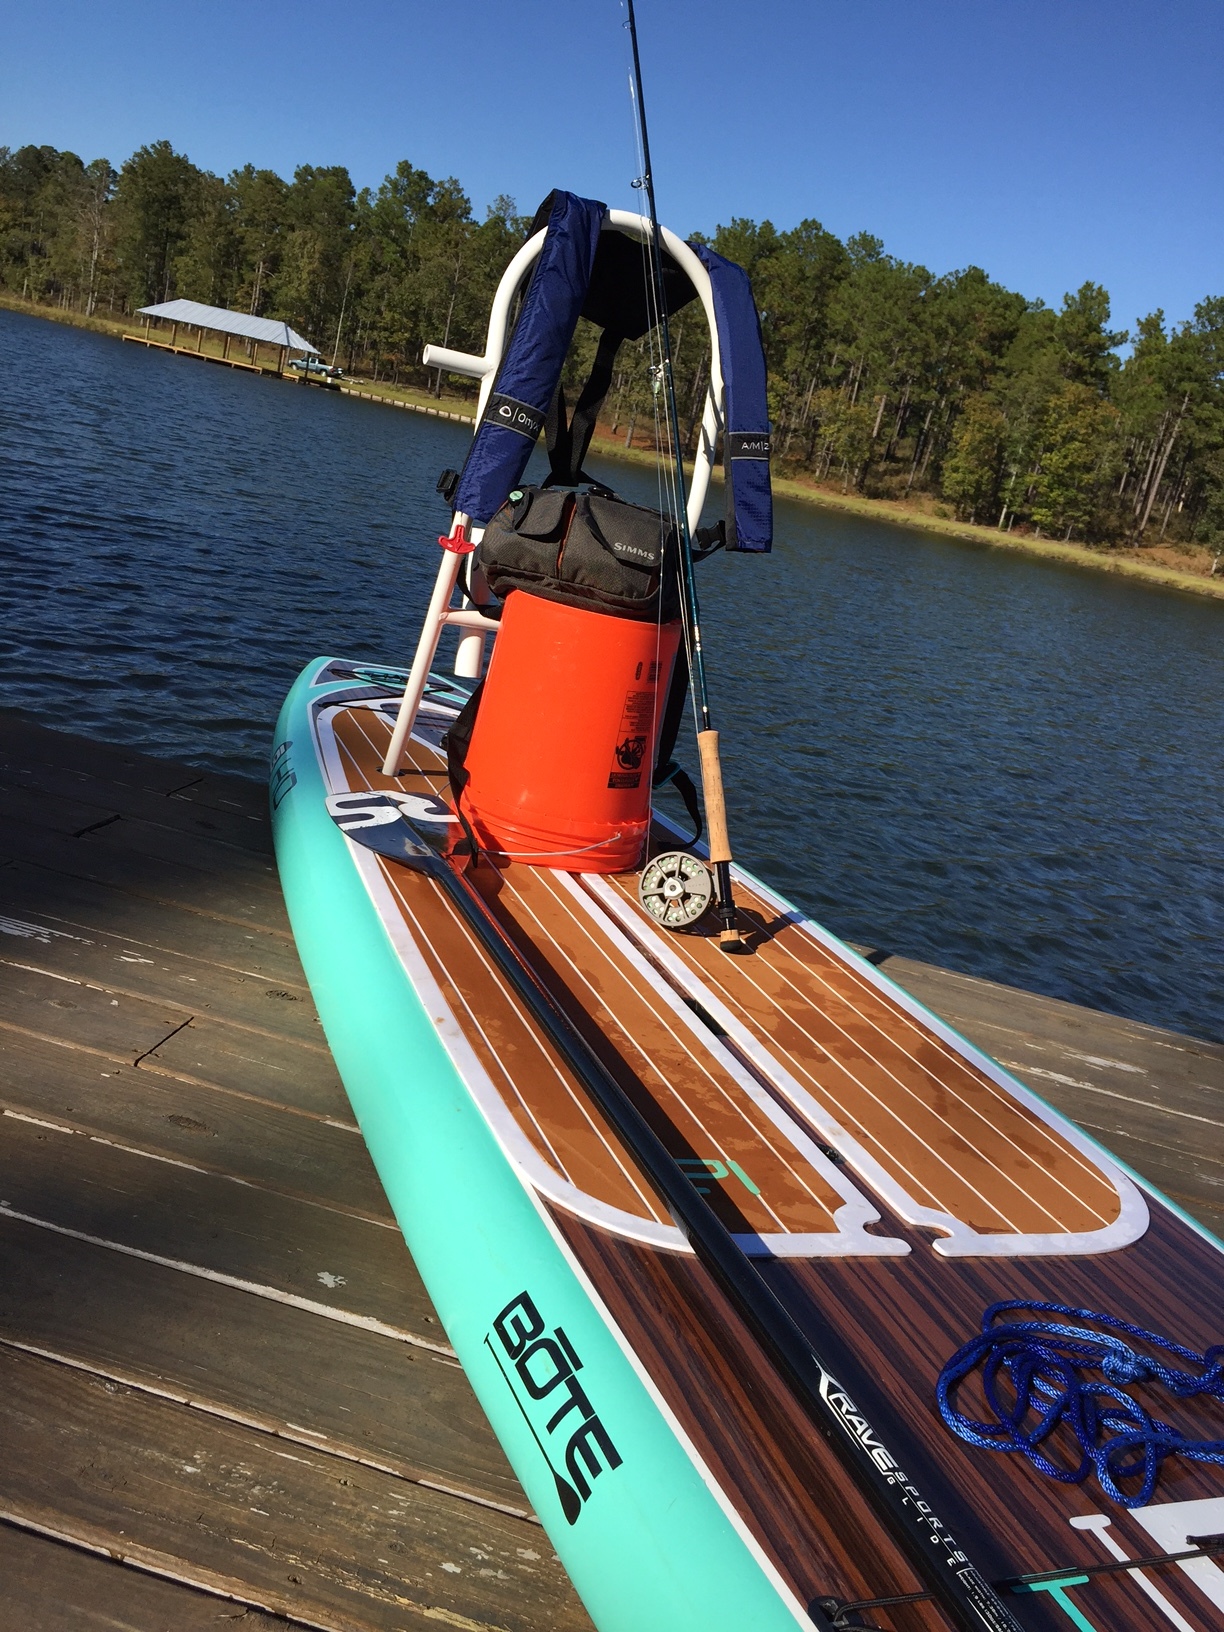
x=457 y=741
x=673 y=713
x=683 y=784
x=666 y=769
x=569 y=442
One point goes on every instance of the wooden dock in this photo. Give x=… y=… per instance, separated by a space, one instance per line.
x=347 y=390
x=223 y=1391
x=197 y=351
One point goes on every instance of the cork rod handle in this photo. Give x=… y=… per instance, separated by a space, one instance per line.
x=715 y=803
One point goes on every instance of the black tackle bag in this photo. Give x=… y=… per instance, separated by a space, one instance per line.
x=590 y=550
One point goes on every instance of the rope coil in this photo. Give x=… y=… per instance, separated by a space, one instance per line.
x=1031 y=1378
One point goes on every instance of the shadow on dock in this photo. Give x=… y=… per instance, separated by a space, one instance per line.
x=220 y=1376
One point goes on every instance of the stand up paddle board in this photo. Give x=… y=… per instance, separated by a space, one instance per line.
x=705 y=1231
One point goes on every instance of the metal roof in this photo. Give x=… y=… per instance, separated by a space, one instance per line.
x=267 y=329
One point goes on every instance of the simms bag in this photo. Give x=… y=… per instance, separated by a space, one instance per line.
x=590 y=550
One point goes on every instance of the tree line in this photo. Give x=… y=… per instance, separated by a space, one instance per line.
x=883 y=376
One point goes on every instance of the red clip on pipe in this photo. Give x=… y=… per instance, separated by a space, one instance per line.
x=456 y=543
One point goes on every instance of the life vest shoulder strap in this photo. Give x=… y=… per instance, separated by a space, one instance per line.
x=531 y=367
x=746 y=438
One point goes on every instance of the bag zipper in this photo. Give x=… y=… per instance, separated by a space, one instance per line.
x=573 y=511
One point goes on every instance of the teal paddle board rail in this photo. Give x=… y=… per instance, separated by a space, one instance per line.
x=650 y=1543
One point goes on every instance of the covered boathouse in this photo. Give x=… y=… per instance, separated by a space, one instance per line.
x=255 y=331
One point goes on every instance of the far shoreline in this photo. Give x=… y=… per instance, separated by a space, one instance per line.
x=1128 y=562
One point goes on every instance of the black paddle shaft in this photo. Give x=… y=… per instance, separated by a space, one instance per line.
x=954 y=1581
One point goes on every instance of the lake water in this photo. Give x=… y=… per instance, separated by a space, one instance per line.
x=990 y=762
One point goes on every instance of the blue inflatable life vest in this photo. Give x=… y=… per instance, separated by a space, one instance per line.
x=582 y=271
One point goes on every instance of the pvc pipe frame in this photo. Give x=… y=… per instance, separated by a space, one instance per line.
x=469 y=659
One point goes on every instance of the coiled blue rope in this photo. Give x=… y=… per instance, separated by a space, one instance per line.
x=1031 y=1377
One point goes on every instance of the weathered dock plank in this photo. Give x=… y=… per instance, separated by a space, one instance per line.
x=223 y=1389
x=253 y=1066
x=322 y=1538
x=82 y=1017
x=173 y=881
x=217 y=1131
x=94 y=1593
x=404 y=1408
x=112 y=829
x=138 y=1200
x=62 y=793
x=196 y=1258
x=109 y=938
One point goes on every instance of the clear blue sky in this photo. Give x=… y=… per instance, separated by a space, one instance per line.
x=1049 y=141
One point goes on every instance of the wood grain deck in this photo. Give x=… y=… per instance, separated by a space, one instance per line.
x=938 y=1129
x=706 y=1108
x=224 y=1389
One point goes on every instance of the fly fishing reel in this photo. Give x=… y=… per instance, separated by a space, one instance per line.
x=676 y=889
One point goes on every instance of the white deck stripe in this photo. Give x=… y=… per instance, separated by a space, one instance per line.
x=356 y=771
x=911 y=1093
x=891 y=1112
x=994 y=1091
x=960 y=1240
x=855 y=1210
x=962 y=1066
x=849 y=1236
x=534 y=1172
x=891 y=1159
x=683 y=1043
x=575 y=1099
x=671 y=1087
x=477 y=1026
x=578 y=1101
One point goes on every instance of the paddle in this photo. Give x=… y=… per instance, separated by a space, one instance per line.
x=953 y=1580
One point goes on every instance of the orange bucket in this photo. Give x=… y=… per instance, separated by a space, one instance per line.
x=563 y=746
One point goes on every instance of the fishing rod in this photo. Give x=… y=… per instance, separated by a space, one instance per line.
x=952 y=1580
x=714 y=798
